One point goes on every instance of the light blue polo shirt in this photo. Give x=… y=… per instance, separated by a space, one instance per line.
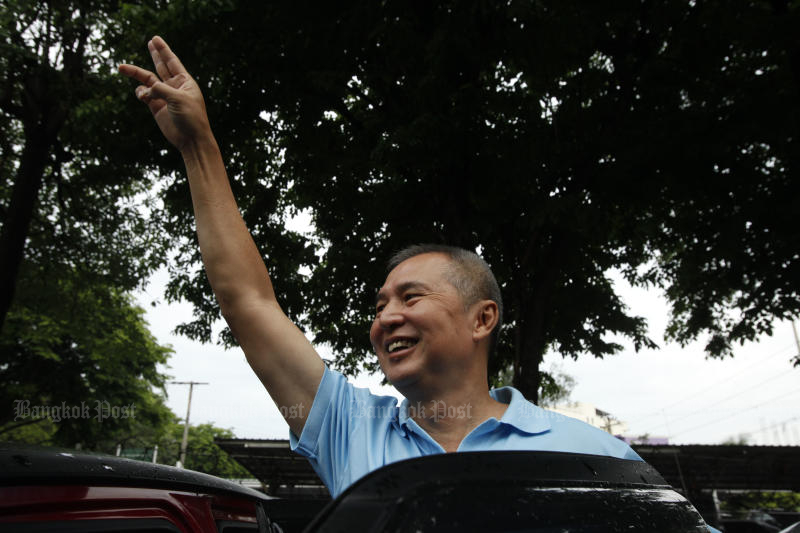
x=350 y=432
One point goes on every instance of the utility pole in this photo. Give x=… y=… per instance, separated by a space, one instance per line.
x=796 y=338
x=185 y=441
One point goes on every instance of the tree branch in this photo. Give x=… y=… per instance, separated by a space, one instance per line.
x=21 y=424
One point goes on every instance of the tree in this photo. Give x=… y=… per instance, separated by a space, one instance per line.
x=739 y=440
x=251 y=145
x=73 y=184
x=740 y=503
x=202 y=454
x=80 y=228
x=82 y=350
x=556 y=387
x=561 y=139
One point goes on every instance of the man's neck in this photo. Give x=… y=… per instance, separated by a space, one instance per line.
x=451 y=416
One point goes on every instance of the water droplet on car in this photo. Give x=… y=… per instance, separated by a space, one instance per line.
x=21 y=459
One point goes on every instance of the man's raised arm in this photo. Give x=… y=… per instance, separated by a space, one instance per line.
x=276 y=349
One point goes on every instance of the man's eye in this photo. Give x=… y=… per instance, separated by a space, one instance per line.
x=411 y=296
x=379 y=308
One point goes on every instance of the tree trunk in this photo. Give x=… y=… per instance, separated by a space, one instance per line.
x=16 y=226
x=530 y=352
x=45 y=100
x=530 y=317
x=42 y=114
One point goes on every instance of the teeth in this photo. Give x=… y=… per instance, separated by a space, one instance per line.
x=397 y=345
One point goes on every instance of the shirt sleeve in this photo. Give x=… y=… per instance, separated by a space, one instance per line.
x=631 y=454
x=325 y=439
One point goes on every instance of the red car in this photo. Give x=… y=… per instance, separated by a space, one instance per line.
x=45 y=490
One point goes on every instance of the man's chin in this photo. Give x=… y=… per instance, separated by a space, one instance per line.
x=400 y=371
x=401 y=380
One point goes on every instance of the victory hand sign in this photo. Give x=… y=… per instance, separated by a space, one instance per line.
x=173 y=96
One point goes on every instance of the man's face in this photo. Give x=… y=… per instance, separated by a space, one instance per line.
x=421 y=331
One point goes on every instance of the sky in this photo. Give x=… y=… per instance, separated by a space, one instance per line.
x=674 y=391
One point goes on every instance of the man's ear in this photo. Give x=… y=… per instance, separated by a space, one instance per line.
x=486 y=316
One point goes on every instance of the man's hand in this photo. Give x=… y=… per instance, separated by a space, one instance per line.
x=173 y=96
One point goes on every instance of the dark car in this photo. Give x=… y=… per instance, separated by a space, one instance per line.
x=44 y=490
x=511 y=492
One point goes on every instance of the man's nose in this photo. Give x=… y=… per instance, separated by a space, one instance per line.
x=391 y=316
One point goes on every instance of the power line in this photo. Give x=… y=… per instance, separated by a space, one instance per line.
x=735 y=394
x=735 y=414
x=709 y=387
x=791 y=419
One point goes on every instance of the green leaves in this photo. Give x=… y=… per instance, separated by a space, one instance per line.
x=74 y=341
x=202 y=454
x=564 y=139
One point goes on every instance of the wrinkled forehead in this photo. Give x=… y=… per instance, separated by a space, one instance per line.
x=425 y=271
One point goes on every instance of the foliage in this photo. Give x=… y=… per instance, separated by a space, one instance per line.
x=38 y=432
x=250 y=145
x=739 y=440
x=74 y=186
x=138 y=440
x=80 y=228
x=742 y=501
x=202 y=454
x=70 y=341
x=562 y=139
x=555 y=386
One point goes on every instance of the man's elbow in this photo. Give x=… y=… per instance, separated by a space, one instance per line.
x=241 y=309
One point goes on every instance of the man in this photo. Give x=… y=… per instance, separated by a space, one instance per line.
x=436 y=320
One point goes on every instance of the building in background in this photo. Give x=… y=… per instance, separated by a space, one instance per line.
x=587 y=412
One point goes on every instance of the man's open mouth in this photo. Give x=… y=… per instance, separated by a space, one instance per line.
x=400 y=344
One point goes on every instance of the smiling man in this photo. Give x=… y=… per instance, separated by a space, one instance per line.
x=436 y=321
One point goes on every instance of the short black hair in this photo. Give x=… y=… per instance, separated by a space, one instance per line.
x=469 y=274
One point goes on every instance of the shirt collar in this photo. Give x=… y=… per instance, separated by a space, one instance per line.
x=403 y=420
x=520 y=413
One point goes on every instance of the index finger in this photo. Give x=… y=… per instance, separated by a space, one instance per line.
x=166 y=62
x=145 y=77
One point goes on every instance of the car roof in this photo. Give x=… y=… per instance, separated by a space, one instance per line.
x=51 y=466
x=559 y=469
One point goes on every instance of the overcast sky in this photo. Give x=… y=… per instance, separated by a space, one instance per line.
x=674 y=391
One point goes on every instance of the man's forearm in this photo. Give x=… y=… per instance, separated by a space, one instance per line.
x=232 y=262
